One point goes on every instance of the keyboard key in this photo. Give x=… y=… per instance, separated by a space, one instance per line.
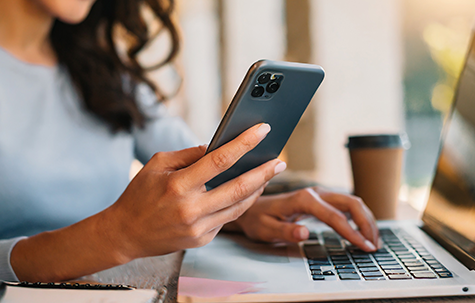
x=440 y=269
x=374 y=278
x=445 y=274
x=328 y=273
x=339 y=258
x=399 y=277
x=413 y=264
x=388 y=263
x=318 y=278
x=344 y=267
x=436 y=266
x=391 y=266
x=314 y=251
x=314 y=266
x=369 y=269
x=395 y=271
x=429 y=258
x=361 y=258
x=403 y=254
x=319 y=263
x=400 y=249
x=337 y=253
x=312 y=236
x=346 y=271
x=372 y=274
x=424 y=275
x=417 y=268
x=408 y=260
x=386 y=259
x=316 y=271
x=349 y=277
x=362 y=265
x=338 y=262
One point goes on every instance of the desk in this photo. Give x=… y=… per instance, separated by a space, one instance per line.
x=164 y=270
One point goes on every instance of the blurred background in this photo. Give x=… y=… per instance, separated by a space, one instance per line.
x=391 y=66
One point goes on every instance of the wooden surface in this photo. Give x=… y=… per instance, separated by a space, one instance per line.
x=161 y=273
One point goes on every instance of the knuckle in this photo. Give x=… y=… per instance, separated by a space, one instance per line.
x=186 y=216
x=240 y=190
x=220 y=160
x=203 y=240
x=358 y=201
x=337 y=216
x=195 y=232
x=237 y=212
x=248 y=142
x=158 y=157
x=175 y=187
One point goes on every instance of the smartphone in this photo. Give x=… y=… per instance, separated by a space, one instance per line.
x=273 y=92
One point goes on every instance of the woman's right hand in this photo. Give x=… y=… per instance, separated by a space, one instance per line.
x=166 y=206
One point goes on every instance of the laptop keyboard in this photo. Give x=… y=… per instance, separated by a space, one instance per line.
x=401 y=258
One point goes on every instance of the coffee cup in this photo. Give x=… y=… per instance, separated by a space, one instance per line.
x=376 y=162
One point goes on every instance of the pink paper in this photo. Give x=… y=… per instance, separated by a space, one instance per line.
x=208 y=288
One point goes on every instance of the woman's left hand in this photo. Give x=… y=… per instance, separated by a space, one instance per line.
x=270 y=219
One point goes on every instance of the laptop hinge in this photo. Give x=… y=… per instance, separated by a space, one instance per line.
x=461 y=255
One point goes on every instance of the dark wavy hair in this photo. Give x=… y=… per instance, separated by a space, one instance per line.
x=89 y=52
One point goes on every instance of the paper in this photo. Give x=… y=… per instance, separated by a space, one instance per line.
x=209 y=288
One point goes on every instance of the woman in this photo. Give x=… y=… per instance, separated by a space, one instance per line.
x=74 y=113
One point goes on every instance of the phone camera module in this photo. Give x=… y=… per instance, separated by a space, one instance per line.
x=272 y=87
x=264 y=78
x=257 y=91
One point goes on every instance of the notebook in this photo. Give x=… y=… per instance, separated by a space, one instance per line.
x=432 y=257
x=11 y=292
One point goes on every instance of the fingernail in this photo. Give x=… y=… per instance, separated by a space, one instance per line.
x=369 y=245
x=263 y=130
x=301 y=233
x=280 y=168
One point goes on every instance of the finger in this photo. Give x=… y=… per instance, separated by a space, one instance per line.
x=360 y=213
x=178 y=159
x=232 y=212
x=242 y=187
x=334 y=218
x=224 y=157
x=272 y=230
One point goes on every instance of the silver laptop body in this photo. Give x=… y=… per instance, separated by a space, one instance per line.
x=433 y=257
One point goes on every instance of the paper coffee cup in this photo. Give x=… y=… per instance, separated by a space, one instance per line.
x=376 y=162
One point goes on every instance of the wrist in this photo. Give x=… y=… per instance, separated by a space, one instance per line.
x=233 y=226
x=116 y=236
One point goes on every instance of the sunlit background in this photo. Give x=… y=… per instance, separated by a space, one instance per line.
x=391 y=66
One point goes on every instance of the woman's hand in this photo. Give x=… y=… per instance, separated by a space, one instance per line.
x=271 y=217
x=165 y=208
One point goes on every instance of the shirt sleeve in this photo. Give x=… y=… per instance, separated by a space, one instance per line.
x=162 y=132
x=6 y=270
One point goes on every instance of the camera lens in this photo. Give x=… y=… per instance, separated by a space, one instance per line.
x=272 y=87
x=258 y=91
x=264 y=78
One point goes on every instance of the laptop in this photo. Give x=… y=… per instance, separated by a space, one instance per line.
x=431 y=257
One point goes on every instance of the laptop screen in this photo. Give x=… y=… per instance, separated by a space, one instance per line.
x=450 y=210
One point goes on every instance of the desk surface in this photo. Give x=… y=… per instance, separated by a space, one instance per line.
x=162 y=271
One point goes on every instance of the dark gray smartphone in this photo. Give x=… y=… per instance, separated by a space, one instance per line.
x=273 y=92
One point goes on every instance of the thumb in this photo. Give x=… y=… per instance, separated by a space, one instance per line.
x=287 y=231
x=179 y=159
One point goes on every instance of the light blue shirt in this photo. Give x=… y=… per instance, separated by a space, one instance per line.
x=58 y=163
